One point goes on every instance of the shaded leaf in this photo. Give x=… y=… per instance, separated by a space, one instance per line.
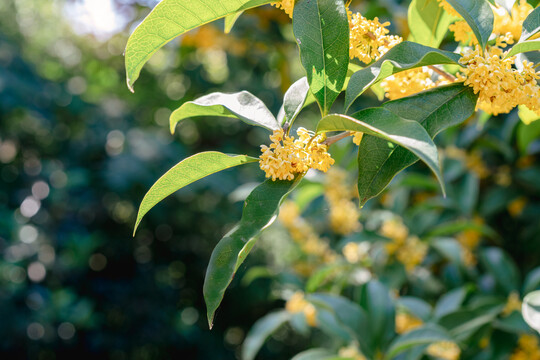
x=171 y=18
x=435 y=110
x=321 y=29
x=424 y=335
x=184 y=173
x=403 y=56
x=260 y=211
x=261 y=330
x=479 y=16
x=450 y=302
x=502 y=267
x=230 y=20
x=242 y=105
x=386 y=125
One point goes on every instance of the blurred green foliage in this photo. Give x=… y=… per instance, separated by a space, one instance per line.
x=78 y=152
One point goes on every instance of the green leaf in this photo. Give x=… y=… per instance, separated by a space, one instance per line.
x=293 y=101
x=435 y=110
x=242 y=105
x=230 y=20
x=404 y=56
x=479 y=16
x=531 y=25
x=527 y=133
x=383 y=123
x=376 y=301
x=450 y=302
x=502 y=267
x=428 y=22
x=261 y=330
x=260 y=211
x=171 y=18
x=315 y=354
x=321 y=29
x=184 y=173
x=525 y=46
x=415 y=306
x=424 y=335
x=532 y=281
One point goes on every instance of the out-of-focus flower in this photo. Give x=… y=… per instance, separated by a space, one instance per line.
x=406 y=322
x=516 y=206
x=527 y=348
x=444 y=350
x=351 y=352
x=512 y=304
x=344 y=213
x=297 y=303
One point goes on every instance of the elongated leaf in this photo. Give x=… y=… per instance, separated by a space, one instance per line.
x=502 y=267
x=243 y=105
x=525 y=46
x=428 y=22
x=435 y=110
x=425 y=335
x=449 y=302
x=294 y=101
x=315 y=354
x=261 y=330
x=531 y=25
x=403 y=56
x=260 y=211
x=479 y=16
x=230 y=20
x=321 y=29
x=386 y=125
x=184 y=173
x=171 y=18
x=380 y=309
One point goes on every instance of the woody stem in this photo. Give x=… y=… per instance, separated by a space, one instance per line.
x=332 y=139
x=444 y=74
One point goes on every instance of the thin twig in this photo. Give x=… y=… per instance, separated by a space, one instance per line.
x=444 y=74
x=332 y=139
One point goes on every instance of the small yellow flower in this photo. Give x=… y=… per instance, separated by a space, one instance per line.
x=369 y=39
x=527 y=348
x=463 y=33
x=286 y=157
x=356 y=252
x=445 y=350
x=394 y=229
x=351 y=352
x=515 y=208
x=406 y=322
x=357 y=137
x=297 y=303
x=412 y=253
x=512 y=304
x=344 y=213
x=511 y=23
x=286 y=5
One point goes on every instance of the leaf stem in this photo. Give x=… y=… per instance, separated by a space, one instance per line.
x=443 y=73
x=332 y=139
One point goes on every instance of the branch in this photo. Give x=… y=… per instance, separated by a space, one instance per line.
x=332 y=139
x=444 y=74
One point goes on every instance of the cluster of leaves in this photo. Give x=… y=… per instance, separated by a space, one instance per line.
x=397 y=134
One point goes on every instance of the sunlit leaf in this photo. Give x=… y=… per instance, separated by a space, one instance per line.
x=184 y=173
x=321 y=29
x=172 y=18
x=403 y=56
x=243 y=105
x=293 y=101
x=531 y=310
x=525 y=46
x=428 y=22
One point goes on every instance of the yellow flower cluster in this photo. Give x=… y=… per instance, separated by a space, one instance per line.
x=286 y=157
x=444 y=350
x=344 y=213
x=469 y=240
x=512 y=304
x=500 y=87
x=303 y=234
x=286 y=5
x=463 y=33
x=297 y=303
x=448 y=8
x=406 y=322
x=356 y=252
x=408 y=250
x=409 y=82
x=369 y=39
x=516 y=206
x=527 y=348
x=351 y=352
x=473 y=161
